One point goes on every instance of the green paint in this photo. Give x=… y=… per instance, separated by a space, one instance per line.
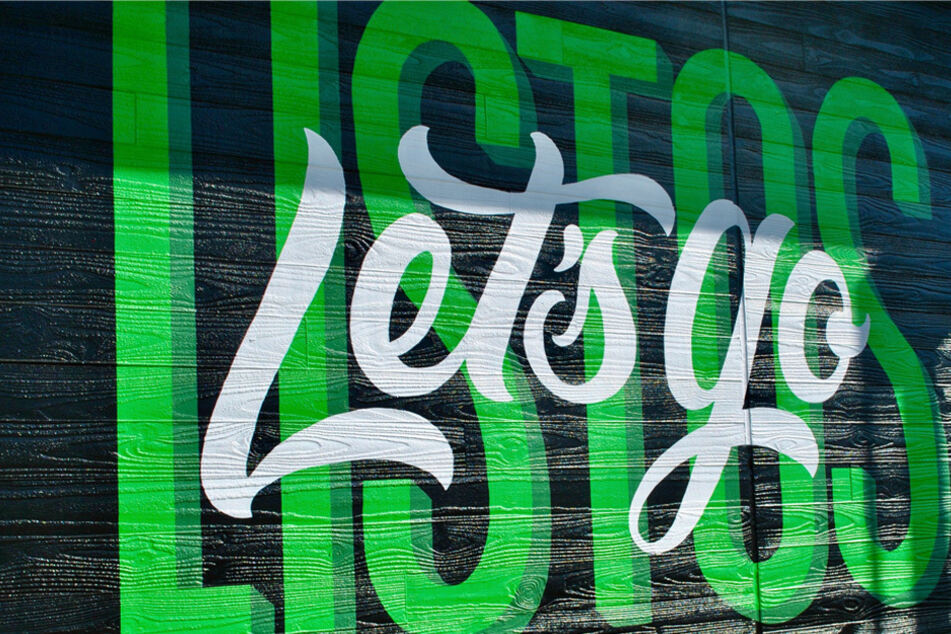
x=182 y=283
x=158 y=442
x=853 y=109
x=316 y=503
x=780 y=587
x=159 y=546
x=402 y=44
x=603 y=68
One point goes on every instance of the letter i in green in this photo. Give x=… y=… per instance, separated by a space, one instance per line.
x=316 y=503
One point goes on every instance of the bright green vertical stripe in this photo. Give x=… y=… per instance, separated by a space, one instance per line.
x=615 y=426
x=575 y=53
x=182 y=286
x=401 y=46
x=151 y=342
x=316 y=504
x=777 y=588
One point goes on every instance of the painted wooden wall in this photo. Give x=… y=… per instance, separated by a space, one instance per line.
x=152 y=166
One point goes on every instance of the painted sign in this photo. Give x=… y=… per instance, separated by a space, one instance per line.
x=445 y=317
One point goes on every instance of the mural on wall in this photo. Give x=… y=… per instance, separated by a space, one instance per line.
x=453 y=317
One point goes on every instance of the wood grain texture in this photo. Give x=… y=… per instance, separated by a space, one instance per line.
x=57 y=408
x=59 y=558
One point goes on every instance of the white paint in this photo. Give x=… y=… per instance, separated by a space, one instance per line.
x=401 y=436
x=486 y=340
x=597 y=276
x=377 y=433
x=730 y=424
x=845 y=339
x=574 y=244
